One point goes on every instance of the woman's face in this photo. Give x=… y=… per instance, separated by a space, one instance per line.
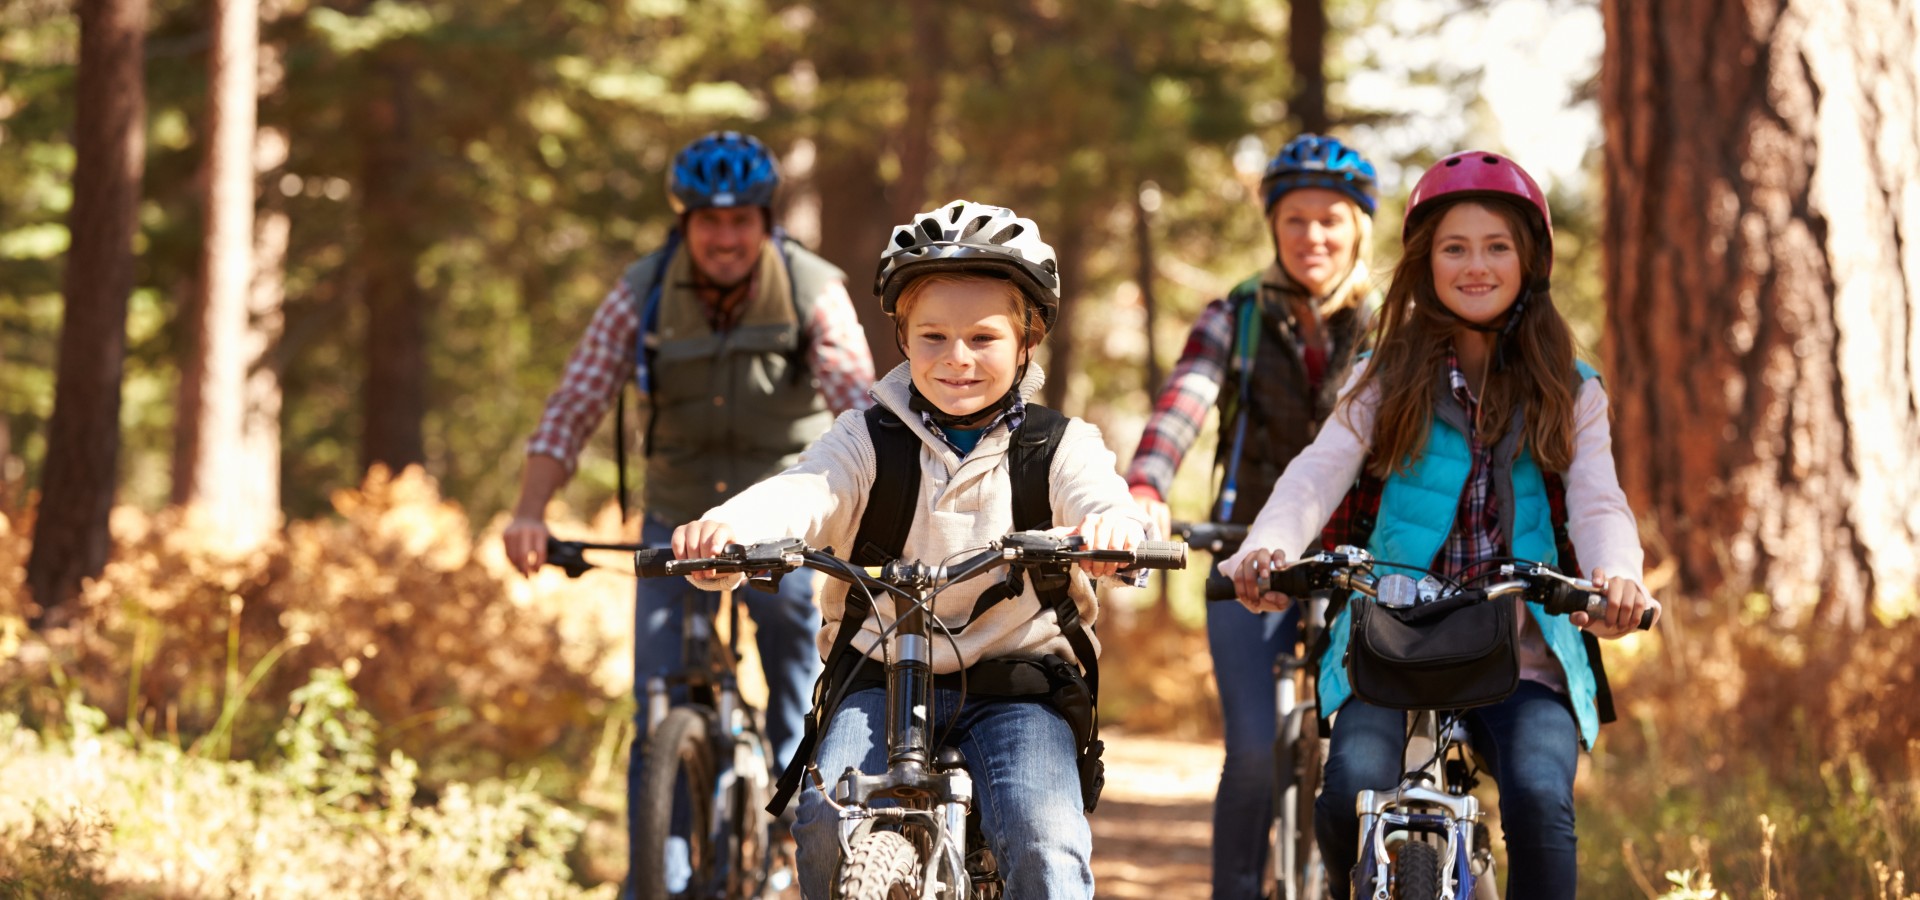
x=963 y=345
x=1315 y=231
x=1476 y=263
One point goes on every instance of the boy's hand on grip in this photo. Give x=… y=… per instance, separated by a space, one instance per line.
x=702 y=539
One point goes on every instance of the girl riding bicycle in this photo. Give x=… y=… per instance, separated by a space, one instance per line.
x=972 y=290
x=1478 y=435
x=1269 y=355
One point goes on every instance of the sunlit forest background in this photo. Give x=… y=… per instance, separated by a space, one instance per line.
x=341 y=690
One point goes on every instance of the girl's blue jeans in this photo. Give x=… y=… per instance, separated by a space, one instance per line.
x=1020 y=754
x=1245 y=646
x=1530 y=744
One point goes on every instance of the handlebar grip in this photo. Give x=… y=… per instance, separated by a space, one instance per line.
x=1220 y=587
x=1294 y=581
x=1566 y=599
x=1160 y=555
x=652 y=563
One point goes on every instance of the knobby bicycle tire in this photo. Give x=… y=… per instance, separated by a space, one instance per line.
x=678 y=769
x=1295 y=855
x=1416 y=872
x=880 y=866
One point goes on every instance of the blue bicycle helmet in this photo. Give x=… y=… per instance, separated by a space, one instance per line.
x=723 y=169
x=1313 y=161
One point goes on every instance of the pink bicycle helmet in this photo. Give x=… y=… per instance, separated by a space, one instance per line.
x=1479 y=173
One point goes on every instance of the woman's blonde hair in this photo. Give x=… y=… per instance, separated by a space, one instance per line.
x=1350 y=290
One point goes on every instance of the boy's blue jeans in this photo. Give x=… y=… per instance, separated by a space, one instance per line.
x=786 y=625
x=1530 y=744
x=1020 y=754
x=1245 y=645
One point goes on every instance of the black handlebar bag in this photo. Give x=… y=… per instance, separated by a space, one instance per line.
x=1431 y=657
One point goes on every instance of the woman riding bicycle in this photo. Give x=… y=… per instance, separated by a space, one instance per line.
x=1478 y=435
x=972 y=290
x=1269 y=355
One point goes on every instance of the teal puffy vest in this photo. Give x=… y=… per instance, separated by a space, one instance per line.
x=1417 y=508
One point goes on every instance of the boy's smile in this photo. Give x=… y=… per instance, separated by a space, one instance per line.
x=963 y=347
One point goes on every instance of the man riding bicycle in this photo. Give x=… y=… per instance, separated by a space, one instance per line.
x=744 y=346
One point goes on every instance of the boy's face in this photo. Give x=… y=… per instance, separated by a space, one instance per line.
x=963 y=345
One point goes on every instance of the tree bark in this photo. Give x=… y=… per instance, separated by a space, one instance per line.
x=1145 y=201
x=1762 y=180
x=923 y=100
x=1069 y=251
x=1307 y=47
x=855 y=222
x=70 y=540
x=233 y=466
x=395 y=392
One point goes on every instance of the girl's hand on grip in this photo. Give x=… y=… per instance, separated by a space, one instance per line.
x=1626 y=602
x=1250 y=582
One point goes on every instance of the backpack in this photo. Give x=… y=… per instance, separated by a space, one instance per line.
x=882 y=537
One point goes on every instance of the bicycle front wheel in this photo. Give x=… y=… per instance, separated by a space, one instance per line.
x=673 y=817
x=1416 y=872
x=881 y=866
x=1298 y=873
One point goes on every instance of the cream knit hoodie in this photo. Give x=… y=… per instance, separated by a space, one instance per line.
x=964 y=503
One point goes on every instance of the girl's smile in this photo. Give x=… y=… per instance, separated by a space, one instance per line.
x=1476 y=263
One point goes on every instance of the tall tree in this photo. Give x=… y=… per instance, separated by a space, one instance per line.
x=394 y=401
x=1763 y=331
x=70 y=538
x=1307 y=47
x=234 y=467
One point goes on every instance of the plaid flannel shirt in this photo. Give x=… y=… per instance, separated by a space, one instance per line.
x=1181 y=409
x=839 y=357
x=1476 y=525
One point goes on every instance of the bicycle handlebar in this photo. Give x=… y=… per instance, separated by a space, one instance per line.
x=1023 y=549
x=1351 y=569
x=569 y=556
x=1213 y=537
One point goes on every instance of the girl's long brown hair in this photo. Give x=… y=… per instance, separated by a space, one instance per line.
x=1416 y=333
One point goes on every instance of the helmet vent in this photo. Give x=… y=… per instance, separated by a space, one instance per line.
x=953 y=212
x=1007 y=234
x=929 y=228
x=903 y=237
x=1453 y=162
x=1490 y=160
x=974 y=226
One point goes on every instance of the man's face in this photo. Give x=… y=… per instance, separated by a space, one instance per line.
x=725 y=243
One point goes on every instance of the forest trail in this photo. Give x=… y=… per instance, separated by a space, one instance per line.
x=1153 y=830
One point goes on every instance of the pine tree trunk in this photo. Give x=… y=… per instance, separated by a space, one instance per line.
x=235 y=464
x=1763 y=332
x=855 y=223
x=395 y=391
x=70 y=539
x=1307 y=47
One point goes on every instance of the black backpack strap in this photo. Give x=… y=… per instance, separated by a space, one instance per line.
x=881 y=538
x=895 y=492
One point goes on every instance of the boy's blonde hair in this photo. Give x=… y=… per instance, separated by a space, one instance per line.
x=1020 y=307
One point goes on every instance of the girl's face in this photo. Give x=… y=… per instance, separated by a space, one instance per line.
x=1476 y=263
x=1315 y=231
x=963 y=344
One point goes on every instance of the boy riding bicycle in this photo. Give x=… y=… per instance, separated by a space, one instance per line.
x=972 y=290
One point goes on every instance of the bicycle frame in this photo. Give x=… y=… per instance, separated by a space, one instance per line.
x=918 y=777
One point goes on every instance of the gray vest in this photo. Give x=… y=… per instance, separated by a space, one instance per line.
x=729 y=409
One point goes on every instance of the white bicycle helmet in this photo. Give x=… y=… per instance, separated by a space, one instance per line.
x=964 y=236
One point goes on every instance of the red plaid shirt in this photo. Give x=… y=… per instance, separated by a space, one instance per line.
x=603 y=361
x=1181 y=409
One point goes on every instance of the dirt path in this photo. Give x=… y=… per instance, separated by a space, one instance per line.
x=1153 y=829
